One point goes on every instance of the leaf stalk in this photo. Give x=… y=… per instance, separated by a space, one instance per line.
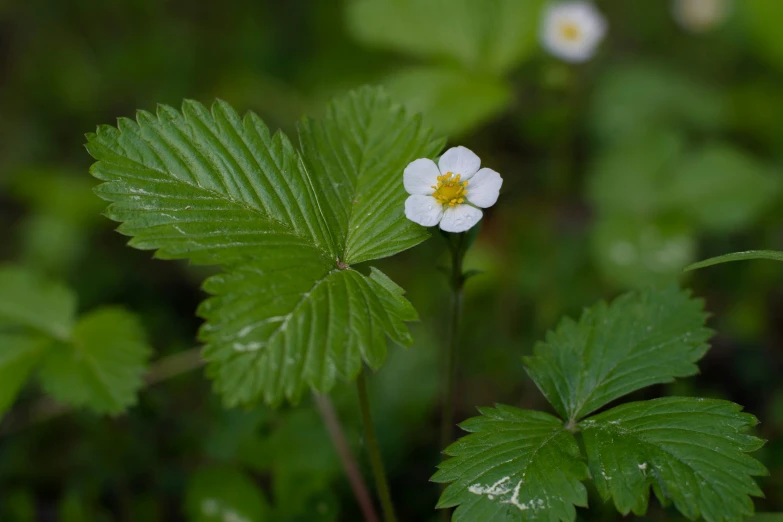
x=374 y=451
x=334 y=427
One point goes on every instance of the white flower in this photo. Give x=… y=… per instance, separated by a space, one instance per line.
x=572 y=30
x=450 y=193
x=700 y=15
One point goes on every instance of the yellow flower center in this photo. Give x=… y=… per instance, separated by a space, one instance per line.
x=570 y=31
x=450 y=190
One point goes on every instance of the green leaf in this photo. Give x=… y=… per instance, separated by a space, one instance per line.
x=288 y=313
x=355 y=157
x=640 y=339
x=481 y=35
x=454 y=101
x=274 y=331
x=224 y=494
x=35 y=303
x=515 y=465
x=737 y=256
x=95 y=362
x=19 y=354
x=207 y=186
x=690 y=451
x=103 y=365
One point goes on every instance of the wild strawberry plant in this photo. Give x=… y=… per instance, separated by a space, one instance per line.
x=294 y=309
x=95 y=360
x=289 y=311
x=520 y=464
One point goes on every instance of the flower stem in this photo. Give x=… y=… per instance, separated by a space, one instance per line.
x=458 y=245
x=374 y=451
x=449 y=370
x=335 y=429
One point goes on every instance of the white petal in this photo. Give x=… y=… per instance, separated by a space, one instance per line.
x=484 y=188
x=701 y=15
x=460 y=218
x=420 y=175
x=589 y=22
x=459 y=160
x=424 y=210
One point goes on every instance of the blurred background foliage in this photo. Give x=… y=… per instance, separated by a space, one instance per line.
x=666 y=148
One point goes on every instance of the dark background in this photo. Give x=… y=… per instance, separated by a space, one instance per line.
x=664 y=149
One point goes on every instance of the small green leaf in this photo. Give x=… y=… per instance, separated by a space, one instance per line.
x=737 y=256
x=515 y=465
x=19 y=354
x=690 y=451
x=483 y=36
x=640 y=339
x=102 y=368
x=35 y=303
x=224 y=494
x=288 y=313
x=453 y=101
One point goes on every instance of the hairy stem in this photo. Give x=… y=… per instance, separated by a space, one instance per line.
x=450 y=353
x=335 y=429
x=449 y=360
x=374 y=451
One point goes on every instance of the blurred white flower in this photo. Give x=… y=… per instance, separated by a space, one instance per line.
x=450 y=193
x=572 y=30
x=701 y=15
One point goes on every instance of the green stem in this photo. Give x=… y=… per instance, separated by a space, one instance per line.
x=458 y=244
x=449 y=378
x=374 y=451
